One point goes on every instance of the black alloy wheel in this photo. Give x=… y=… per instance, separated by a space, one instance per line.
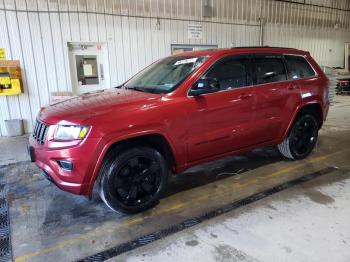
x=137 y=181
x=302 y=138
x=132 y=180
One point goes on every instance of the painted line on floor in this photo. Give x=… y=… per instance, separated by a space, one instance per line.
x=152 y=237
x=175 y=206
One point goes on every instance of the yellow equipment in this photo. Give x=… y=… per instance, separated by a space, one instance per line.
x=10 y=78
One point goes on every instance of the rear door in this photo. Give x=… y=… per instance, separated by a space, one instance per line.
x=277 y=97
x=303 y=76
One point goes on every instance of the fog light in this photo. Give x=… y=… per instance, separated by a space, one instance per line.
x=65 y=165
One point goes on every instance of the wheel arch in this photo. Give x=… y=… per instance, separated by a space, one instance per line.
x=155 y=140
x=152 y=139
x=313 y=108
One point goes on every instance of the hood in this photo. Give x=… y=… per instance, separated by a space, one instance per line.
x=80 y=108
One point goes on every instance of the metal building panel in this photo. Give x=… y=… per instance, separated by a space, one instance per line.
x=22 y=102
x=101 y=28
x=119 y=49
x=29 y=64
x=4 y=43
x=110 y=45
x=74 y=24
x=83 y=21
x=63 y=5
x=39 y=64
x=52 y=4
x=126 y=46
x=48 y=49
x=108 y=6
x=42 y=5
x=59 y=38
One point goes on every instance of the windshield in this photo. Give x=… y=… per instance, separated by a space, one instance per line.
x=165 y=75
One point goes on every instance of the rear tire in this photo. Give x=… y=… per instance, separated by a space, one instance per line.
x=301 y=139
x=132 y=180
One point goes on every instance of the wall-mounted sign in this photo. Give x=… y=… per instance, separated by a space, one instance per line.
x=2 y=54
x=195 y=31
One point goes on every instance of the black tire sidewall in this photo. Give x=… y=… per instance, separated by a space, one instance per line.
x=293 y=130
x=112 y=168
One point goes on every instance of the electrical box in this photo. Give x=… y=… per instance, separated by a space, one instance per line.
x=207 y=11
x=10 y=78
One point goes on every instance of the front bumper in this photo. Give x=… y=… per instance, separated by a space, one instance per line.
x=77 y=181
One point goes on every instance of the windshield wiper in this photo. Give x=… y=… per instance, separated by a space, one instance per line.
x=136 y=88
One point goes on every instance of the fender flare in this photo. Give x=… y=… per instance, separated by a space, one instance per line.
x=297 y=111
x=107 y=145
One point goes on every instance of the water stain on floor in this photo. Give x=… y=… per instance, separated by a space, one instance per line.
x=318 y=197
x=192 y=243
x=226 y=253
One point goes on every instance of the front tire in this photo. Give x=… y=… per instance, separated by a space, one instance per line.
x=301 y=139
x=131 y=181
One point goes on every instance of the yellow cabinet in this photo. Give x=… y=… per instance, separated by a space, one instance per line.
x=10 y=78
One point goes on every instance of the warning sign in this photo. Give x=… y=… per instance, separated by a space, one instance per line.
x=2 y=54
x=195 y=31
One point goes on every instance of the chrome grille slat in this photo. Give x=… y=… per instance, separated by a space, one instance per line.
x=35 y=128
x=40 y=132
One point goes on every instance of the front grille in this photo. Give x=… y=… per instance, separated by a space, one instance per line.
x=40 y=132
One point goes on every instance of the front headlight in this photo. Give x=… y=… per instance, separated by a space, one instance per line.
x=65 y=132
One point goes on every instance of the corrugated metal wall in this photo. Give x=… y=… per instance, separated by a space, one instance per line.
x=37 y=31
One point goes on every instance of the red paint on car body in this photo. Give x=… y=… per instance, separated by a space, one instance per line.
x=197 y=129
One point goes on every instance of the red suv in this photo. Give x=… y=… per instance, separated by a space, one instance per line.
x=181 y=111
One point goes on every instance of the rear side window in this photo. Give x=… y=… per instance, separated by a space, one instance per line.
x=269 y=69
x=231 y=73
x=298 y=67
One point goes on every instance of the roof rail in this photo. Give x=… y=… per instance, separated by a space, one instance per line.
x=265 y=46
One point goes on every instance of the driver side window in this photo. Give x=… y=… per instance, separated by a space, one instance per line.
x=230 y=73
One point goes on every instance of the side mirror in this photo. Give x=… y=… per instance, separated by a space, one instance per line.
x=205 y=86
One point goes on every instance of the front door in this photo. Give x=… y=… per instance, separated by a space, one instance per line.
x=88 y=67
x=223 y=121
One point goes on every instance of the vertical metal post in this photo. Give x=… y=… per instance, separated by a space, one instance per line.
x=347 y=57
x=261 y=31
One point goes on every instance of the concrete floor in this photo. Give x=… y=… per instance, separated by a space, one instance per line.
x=13 y=150
x=308 y=222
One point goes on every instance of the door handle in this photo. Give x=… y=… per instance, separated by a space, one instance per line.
x=292 y=87
x=245 y=96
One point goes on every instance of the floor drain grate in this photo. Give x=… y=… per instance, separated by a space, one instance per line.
x=147 y=239
x=5 y=239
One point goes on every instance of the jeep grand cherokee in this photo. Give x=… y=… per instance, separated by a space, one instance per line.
x=181 y=111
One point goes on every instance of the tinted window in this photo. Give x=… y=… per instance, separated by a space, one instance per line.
x=298 y=67
x=231 y=73
x=269 y=69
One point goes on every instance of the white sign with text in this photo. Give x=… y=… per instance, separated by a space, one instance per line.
x=195 y=31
